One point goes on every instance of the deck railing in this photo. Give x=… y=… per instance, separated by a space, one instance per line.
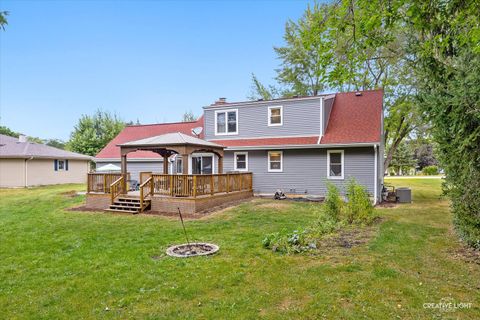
x=100 y=182
x=190 y=185
x=181 y=185
x=116 y=189
x=145 y=191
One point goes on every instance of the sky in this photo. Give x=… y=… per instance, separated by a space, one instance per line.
x=145 y=60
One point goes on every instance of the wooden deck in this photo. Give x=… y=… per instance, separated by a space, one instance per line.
x=167 y=193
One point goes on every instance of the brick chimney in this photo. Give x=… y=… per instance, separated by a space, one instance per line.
x=220 y=101
x=22 y=138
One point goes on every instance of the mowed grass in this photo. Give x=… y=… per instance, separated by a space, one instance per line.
x=75 y=265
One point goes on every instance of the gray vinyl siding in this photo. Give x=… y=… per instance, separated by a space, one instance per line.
x=327 y=109
x=300 y=118
x=134 y=168
x=305 y=170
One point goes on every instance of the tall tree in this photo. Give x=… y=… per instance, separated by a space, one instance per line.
x=8 y=132
x=446 y=40
x=351 y=45
x=188 y=116
x=3 y=19
x=93 y=133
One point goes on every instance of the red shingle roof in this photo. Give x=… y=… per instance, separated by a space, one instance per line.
x=137 y=132
x=355 y=119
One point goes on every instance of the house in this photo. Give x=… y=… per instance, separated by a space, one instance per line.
x=293 y=144
x=26 y=164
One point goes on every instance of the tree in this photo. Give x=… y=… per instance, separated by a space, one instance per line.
x=56 y=143
x=345 y=46
x=260 y=91
x=8 y=132
x=403 y=160
x=93 y=133
x=188 y=116
x=3 y=19
x=446 y=42
x=425 y=156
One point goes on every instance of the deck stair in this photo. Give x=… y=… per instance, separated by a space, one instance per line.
x=128 y=205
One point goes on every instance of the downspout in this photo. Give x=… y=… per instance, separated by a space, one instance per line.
x=26 y=171
x=375 y=174
x=322 y=112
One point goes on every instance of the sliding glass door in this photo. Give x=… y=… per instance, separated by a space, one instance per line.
x=202 y=165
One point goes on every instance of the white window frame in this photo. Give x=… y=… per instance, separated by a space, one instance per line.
x=235 y=161
x=342 y=159
x=226 y=133
x=177 y=160
x=281 y=161
x=64 y=164
x=270 y=124
x=202 y=155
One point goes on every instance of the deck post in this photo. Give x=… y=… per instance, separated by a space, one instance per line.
x=220 y=164
x=171 y=185
x=194 y=186
x=124 y=173
x=212 y=185
x=185 y=161
x=104 y=183
x=228 y=183
x=165 y=164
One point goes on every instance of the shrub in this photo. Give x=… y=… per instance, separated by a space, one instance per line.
x=333 y=203
x=324 y=225
x=285 y=242
x=430 y=170
x=359 y=208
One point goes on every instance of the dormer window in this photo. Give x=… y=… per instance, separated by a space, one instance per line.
x=226 y=122
x=275 y=116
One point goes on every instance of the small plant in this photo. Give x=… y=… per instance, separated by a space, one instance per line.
x=359 y=208
x=333 y=203
x=285 y=242
x=430 y=171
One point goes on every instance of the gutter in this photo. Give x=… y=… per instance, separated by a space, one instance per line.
x=375 y=148
x=304 y=146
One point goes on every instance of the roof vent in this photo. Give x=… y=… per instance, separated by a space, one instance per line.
x=22 y=138
x=358 y=94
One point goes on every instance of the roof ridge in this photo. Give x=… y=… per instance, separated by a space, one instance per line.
x=181 y=136
x=163 y=123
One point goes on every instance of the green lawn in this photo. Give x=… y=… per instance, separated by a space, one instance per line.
x=63 y=264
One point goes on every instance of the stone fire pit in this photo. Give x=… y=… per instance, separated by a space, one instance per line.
x=192 y=250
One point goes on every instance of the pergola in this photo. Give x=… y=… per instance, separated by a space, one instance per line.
x=167 y=145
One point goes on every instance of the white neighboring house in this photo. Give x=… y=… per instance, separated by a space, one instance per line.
x=26 y=164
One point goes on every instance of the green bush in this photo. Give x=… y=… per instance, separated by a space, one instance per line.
x=333 y=204
x=333 y=215
x=430 y=170
x=359 y=208
x=294 y=242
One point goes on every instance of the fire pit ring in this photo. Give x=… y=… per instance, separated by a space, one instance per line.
x=192 y=250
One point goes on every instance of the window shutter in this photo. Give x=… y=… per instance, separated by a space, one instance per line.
x=55 y=164
x=66 y=165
